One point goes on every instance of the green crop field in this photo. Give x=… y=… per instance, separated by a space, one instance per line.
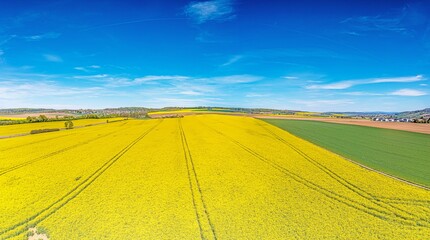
x=398 y=153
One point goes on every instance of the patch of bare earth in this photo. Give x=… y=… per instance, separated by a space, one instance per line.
x=33 y=234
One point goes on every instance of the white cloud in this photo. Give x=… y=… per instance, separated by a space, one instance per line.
x=150 y=78
x=338 y=85
x=363 y=94
x=403 y=20
x=26 y=89
x=119 y=81
x=351 y=83
x=210 y=10
x=38 y=37
x=80 y=69
x=399 y=79
x=256 y=95
x=424 y=84
x=87 y=68
x=92 y=77
x=233 y=79
x=320 y=103
x=408 y=93
x=290 y=77
x=232 y=60
x=52 y=58
x=182 y=102
x=191 y=93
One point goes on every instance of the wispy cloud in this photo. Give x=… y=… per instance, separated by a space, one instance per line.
x=151 y=78
x=191 y=93
x=182 y=102
x=38 y=37
x=6 y=39
x=291 y=77
x=233 y=79
x=52 y=58
x=232 y=60
x=375 y=23
x=351 y=83
x=395 y=20
x=210 y=10
x=325 y=103
x=127 y=22
x=352 y=33
x=408 y=93
x=121 y=81
x=87 y=68
x=26 y=89
x=363 y=94
x=256 y=95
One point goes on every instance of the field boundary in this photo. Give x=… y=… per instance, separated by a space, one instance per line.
x=381 y=214
x=422 y=128
x=360 y=164
x=60 y=129
x=341 y=180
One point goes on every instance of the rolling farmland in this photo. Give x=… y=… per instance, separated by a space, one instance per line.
x=8 y=130
x=399 y=153
x=197 y=177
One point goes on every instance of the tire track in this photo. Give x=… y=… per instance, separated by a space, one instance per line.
x=357 y=190
x=47 y=139
x=18 y=166
x=352 y=187
x=207 y=230
x=22 y=226
x=28 y=144
x=378 y=213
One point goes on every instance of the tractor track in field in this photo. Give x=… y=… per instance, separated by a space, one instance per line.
x=352 y=187
x=384 y=215
x=40 y=141
x=18 y=166
x=418 y=202
x=344 y=182
x=206 y=228
x=22 y=226
x=45 y=140
x=362 y=193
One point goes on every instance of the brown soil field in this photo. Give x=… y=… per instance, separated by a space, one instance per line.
x=411 y=127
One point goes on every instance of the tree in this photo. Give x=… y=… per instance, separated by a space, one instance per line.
x=43 y=118
x=68 y=124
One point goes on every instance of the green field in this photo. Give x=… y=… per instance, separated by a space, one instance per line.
x=398 y=153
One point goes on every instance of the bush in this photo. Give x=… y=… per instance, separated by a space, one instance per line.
x=36 y=131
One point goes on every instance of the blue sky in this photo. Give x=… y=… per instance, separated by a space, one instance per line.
x=302 y=55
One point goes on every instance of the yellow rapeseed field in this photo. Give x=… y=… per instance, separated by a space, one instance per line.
x=6 y=130
x=197 y=177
